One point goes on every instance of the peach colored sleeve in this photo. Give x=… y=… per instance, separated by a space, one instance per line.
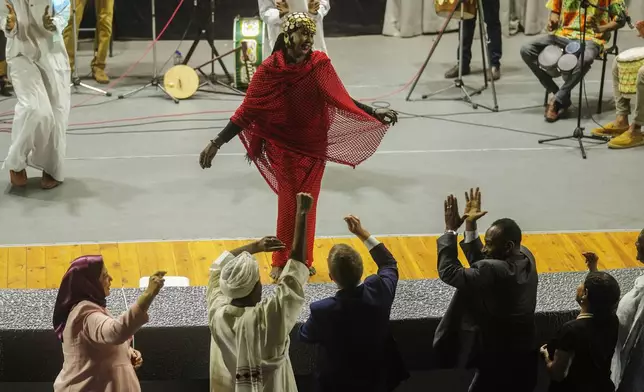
x=102 y=328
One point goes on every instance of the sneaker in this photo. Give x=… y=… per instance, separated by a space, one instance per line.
x=610 y=130
x=453 y=72
x=100 y=76
x=628 y=139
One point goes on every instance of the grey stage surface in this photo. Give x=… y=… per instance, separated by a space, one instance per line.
x=139 y=179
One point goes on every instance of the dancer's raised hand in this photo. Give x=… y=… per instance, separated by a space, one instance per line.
x=282 y=7
x=48 y=21
x=11 y=17
x=314 y=7
x=207 y=155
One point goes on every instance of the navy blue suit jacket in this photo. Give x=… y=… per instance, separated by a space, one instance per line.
x=357 y=351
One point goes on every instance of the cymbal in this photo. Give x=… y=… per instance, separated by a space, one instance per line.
x=181 y=81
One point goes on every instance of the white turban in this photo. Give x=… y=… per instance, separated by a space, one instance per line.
x=239 y=276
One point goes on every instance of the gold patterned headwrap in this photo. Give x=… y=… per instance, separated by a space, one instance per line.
x=296 y=21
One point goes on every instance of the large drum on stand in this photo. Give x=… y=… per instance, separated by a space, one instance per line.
x=251 y=31
x=444 y=8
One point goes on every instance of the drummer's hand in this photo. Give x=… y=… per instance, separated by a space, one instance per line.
x=639 y=25
x=282 y=7
x=553 y=23
x=207 y=155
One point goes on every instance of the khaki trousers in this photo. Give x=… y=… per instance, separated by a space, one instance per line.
x=623 y=103
x=104 y=18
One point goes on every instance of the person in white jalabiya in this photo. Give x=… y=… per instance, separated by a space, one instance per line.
x=628 y=361
x=40 y=73
x=249 y=350
x=272 y=13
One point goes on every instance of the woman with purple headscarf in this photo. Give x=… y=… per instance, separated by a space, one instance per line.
x=96 y=346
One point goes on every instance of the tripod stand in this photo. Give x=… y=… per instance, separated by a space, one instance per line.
x=467 y=92
x=208 y=34
x=578 y=133
x=156 y=81
x=76 y=81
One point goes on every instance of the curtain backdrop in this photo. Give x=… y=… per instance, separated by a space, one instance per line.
x=408 y=18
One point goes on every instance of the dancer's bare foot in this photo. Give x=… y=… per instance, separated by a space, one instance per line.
x=18 y=179
x=312 y=271
x=48 y=182
x=276 y=272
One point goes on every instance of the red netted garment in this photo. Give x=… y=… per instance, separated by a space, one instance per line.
x=295 y=117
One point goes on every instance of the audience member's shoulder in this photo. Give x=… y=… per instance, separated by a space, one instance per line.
x=86 y=307
x=323 y=304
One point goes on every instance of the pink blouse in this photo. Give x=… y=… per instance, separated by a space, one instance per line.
x=96 y=350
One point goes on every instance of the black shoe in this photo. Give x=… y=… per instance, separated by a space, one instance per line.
x=453 y=72
x=493 y=73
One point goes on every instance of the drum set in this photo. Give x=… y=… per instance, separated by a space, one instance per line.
x=556 y=61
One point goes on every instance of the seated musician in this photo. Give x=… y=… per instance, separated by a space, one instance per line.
x=565 y=27
x=625 y=135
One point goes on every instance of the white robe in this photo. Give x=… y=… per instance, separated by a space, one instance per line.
x=254 y=338
x=271 y=17
x=627 y=370
x=40 y=73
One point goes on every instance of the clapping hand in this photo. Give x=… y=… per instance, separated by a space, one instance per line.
x=48 y=21
x=453 y=220
x=355 y=227
x=135 y=358
x=282 y=7
x=386 y=116
x=314 y=7
x=270 y=244
x=304 y=203
x=11 y=17
x=591 y=261
x=544 y=352
x=473 y=209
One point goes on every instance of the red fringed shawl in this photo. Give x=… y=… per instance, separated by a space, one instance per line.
x=303 y=108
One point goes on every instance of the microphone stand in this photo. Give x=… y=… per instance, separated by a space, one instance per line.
x=578 y=133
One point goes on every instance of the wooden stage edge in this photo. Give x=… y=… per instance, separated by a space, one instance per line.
x=39 y=267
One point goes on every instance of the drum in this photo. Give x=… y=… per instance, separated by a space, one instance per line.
x=629 y=63
x=573 y=47
x=444 y=8
x=250 y=31
x=181 y=82
x=548 y=59
x=566 y=64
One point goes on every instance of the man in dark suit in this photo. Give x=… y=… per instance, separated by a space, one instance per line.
x=357 y=350
x=496 y=297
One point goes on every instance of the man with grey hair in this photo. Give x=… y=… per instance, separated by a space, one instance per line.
x=250 y=335
x=358 y=351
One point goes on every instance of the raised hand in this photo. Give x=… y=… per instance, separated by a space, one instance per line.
x=207 y=155
x=304 y=203
x=314 y=7
x=473 y=208
x=48 y=21
x=386 y=116
x=156 y=283
x=270 y=244
x=11 y=17
x=355 y=227
x=282 y=7
x=453 y=221
x=591 y=261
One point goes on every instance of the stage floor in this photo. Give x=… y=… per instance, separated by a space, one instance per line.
x=134 y=185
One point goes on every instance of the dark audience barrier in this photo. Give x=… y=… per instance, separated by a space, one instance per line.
x=175 y=343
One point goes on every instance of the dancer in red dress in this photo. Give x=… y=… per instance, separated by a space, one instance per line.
x=296 y=116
